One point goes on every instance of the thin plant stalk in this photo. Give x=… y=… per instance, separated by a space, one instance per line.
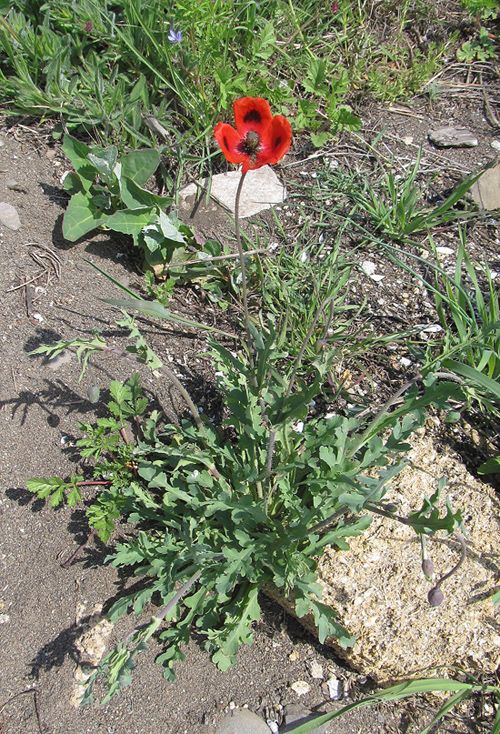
x=244 y=286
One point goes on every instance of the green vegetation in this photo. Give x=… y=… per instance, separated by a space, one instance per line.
x=225 y=507
x=104 y=67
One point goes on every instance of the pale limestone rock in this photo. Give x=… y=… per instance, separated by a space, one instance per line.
x=380 y=593
x=453 y=137
x=9 y=216
x=242 y=721
x=486 y=190
x=262 y=189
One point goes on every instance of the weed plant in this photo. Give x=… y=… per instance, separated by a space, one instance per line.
x=224 y=510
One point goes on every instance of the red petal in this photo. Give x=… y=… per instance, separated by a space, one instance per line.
x=252 y=113
x=275 y=141
x=229 y=140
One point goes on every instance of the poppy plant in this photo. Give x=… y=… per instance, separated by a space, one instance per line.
x=259 y=138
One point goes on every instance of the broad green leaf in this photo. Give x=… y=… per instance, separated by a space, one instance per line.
x=104 y=161
x=130 y=221
x=135 y=197
x=80 y=217
x=72 y=183
x=492 y=466
x=140 y=165
x=76 y=152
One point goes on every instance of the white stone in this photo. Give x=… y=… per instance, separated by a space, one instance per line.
x=242 y=721
x=486 y=191
x=262 y=189
x=301 y=687
x=9 y=216
x=444 y=250
x=495 y=144
x=335 y=689
x=316 y=670
x=453 y=137
x=368 y=267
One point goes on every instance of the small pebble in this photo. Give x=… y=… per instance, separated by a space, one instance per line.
x=301 y=687
x=335 y=689
x=316 y=670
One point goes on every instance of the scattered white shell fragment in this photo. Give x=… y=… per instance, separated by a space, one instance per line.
x=299 y=427
x=37 y=317
x=405 y=362
x=433 y=329
x=316 y=670
x=4 y=618
x=335 y=689
x=301 y=687
x=444 y=250
x=368 y=267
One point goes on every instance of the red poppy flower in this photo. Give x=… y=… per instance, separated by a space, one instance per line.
x=259 y=138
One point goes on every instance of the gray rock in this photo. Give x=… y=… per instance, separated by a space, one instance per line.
x=9 y=216
x=486 y=191
x=296 y=714
x=262 y=190
x=242 y=721
x=495 y=144
x=452 y=137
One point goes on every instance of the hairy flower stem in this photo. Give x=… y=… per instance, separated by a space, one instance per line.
x=244 y=287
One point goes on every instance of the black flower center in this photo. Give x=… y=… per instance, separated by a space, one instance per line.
x=250 y=144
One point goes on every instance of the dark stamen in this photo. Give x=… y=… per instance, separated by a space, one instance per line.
x=277 y=141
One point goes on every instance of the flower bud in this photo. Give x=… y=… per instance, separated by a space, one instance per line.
x=435 y=596
x=428 y=568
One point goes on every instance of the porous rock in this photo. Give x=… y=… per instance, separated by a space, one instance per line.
x=379 y=591
x=453 y=137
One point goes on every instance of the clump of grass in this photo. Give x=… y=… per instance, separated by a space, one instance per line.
x=103 y=66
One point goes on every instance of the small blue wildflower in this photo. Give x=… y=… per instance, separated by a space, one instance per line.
x=174 y=36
